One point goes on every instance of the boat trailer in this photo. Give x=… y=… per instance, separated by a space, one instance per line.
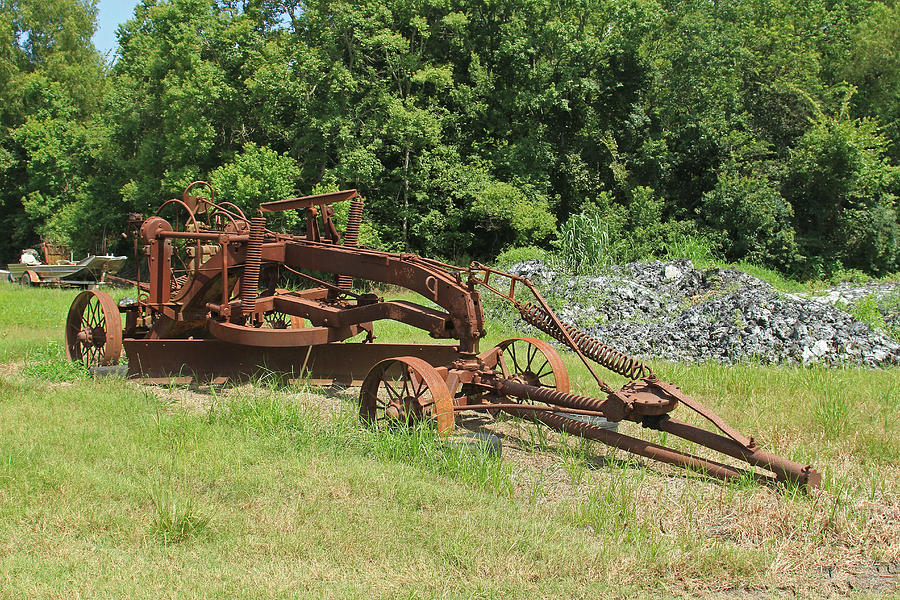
x=210 y=309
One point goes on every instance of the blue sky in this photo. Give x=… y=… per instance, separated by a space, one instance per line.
x=111 y=14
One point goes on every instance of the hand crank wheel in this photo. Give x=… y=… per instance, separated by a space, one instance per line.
x=94 y=330
x=405 y=390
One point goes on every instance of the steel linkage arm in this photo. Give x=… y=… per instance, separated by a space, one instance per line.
x=435 y=282
x=652 y=414
x=646 y=399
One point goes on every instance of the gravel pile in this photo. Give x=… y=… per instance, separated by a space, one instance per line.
x=672 y=310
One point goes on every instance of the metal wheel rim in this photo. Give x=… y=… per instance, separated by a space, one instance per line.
x=96 y=312
x=534 y=362
x=399 y=382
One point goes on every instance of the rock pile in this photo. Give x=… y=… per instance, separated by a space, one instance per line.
x=673 y=311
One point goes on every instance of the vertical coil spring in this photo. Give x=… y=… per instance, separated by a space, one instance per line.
x=351 y=237
x=592 y=348
x=250 y=278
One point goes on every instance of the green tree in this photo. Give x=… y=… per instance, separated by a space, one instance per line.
x=51 y=87
x=844 y=192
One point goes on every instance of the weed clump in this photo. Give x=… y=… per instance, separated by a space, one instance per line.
x=175 y=517
x=50 y=364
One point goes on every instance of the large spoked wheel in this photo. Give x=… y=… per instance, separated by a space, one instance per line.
x=533 y=362
x=94 y=330
x=405 y=390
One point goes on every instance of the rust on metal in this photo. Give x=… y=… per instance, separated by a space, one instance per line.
x=213 y=308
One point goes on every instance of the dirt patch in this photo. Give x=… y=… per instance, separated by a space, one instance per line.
x=11 y=369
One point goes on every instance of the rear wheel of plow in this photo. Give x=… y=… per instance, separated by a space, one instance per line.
x=94 y=330
x=533 y=362
x=405 y=390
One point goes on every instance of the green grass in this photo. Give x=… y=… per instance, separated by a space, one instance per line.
x=113 y=489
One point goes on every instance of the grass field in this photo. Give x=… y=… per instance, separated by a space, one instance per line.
x=109 y=488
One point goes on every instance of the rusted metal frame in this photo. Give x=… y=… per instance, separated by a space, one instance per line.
x=265 y=304
x=281 y=338
x=428 y=319
x=225 y=307
x=312 y=225
x=160 y=267
x=611 y=407
x=208 y=275
x=488 y=271
x=307 y=201
x=325 y=284
x=210 y=359
x=648 y=449
x=327 y=213
x=784 y=469
x=435 y=284
x=537 y=295
x=513 y=408
x=615 y=410
x=209 y=236
x=704 y=412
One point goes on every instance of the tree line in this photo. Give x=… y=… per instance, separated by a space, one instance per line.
x=768 y=129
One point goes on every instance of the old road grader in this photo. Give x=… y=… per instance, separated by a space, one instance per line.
x=210 y=309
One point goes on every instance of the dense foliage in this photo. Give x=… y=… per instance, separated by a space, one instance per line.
x=767 y=129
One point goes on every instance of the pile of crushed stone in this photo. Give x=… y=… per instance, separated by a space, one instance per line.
x=673 y=311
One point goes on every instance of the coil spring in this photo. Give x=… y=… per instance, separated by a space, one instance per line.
x=551 y=396
x=250 y=278
x=351 y=237
x=592 y=348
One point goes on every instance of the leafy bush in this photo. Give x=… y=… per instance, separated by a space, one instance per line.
x=514 y=255
x=604 y=234
x=844 y=193
x=868 y=311
x=514 y=212
x=258 y=174
x=754 y=218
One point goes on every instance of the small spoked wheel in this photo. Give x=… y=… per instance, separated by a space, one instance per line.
x=405 y=390
x=279 y=320
x=94 y=330
x=533 y=362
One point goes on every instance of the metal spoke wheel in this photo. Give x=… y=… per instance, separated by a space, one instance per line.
x=405 y=390
x=94 y=330
x=279 y=320
x=533 y=362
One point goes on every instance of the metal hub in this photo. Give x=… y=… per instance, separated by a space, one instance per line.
x=92 y=336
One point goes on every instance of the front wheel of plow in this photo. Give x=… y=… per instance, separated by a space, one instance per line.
x=94 y=330
x=533 y=362
x=405 y=390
